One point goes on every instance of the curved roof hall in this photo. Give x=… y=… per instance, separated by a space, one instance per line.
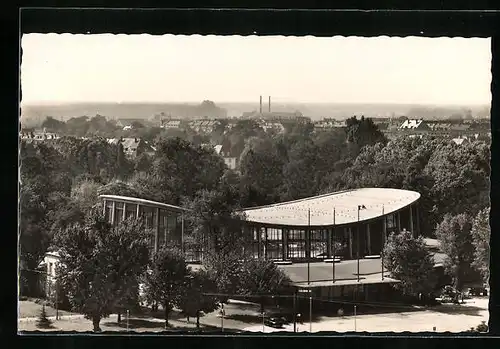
x=377 y=202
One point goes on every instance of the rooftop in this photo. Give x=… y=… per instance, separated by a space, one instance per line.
x=143 y=202
x=377 y=202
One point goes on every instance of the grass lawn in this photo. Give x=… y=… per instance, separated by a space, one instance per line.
x=110 y=324
x=32 y=309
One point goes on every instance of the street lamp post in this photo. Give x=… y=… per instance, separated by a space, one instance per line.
x=222 y=318
x=360 y=207
x=310 y=314
x=355 y=329
x=263 y=322
x=333 y=247
x=295 y=311
x=309 y=238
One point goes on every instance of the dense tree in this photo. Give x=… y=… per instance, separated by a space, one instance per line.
x=454 y=234
x=363 y=131
x=408 y=260
x=85 y=194
x=53 y=125
x=143 y=163
x=166 y=279
x=481 y=232
x=261 y=173
x=97 y=263
x=299 y=177
x=461 y=175
x=198 y=295
x=215 y=220
x=77 y=126
x=261 y=277
x=118 y=188
x=182 y=169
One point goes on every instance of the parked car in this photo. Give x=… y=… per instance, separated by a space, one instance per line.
x=274 y=321
x=478 y=291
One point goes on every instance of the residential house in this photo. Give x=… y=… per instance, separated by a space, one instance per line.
x=271 y=126
x=133 y=147
x=127 y=124
x=204 y=126
x=224 y=151
x=38 y=136
x=460 y=140
x=327 y=124
x=275 y=116
x=171 y=124
x=414 y=125
x=48 y=269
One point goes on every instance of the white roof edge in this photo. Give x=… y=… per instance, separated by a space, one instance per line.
x=324 y=195
x=143 y=201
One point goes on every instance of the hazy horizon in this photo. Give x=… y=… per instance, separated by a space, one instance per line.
x=105 y=68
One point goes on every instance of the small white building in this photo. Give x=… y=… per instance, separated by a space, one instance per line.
x=48 y=267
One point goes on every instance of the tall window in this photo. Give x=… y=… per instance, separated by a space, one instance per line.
x=274 y=248
x=119 y=209
x=130 y=210
x=296 y=244
x=173 y=230
x=162 y=231
x=108 y=211
x=255 y=244
x=391 y=223
x=319 y=241
x=147 y=214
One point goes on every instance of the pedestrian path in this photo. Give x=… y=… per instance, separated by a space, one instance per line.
x=61 y=317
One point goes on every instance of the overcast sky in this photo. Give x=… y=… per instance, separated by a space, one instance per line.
x=145 y=68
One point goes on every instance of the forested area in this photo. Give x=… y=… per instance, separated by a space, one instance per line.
x=61 y=180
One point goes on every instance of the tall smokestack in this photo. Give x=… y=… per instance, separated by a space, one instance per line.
x=260 y=105
x=269 y=103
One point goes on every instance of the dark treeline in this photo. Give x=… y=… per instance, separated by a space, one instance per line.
x=61 y=179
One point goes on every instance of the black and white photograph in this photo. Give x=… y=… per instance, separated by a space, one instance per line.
x=253 y=184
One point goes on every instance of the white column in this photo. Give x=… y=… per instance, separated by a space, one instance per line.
x=411 y=221
x=113 y=213
x=350 y=242
x=368 y=239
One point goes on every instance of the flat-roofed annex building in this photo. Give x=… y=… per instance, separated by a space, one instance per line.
x=331 y=225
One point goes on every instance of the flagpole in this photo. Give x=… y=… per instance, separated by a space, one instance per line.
x=309 y=238
x=357 y=242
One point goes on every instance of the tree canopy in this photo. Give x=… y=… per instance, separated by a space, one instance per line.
x=409 y=261
x=99 y=263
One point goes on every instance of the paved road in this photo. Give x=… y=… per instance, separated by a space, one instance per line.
x=452 y=318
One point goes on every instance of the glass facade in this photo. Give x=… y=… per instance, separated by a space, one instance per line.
x=319 y=243
x=164 y=226
x=130 y=210
x=296 y=244
x=272 y=243
x=345 y=242
x=119 y=212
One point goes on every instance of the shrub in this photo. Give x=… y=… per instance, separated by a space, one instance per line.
x=43 y=321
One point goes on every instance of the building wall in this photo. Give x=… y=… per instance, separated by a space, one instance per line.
x=166 y=227
x=317 y=243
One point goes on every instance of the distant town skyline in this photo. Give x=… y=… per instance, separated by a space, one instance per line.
x=67 y=68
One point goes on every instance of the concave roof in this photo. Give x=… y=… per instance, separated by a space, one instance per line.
x=377 y=202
